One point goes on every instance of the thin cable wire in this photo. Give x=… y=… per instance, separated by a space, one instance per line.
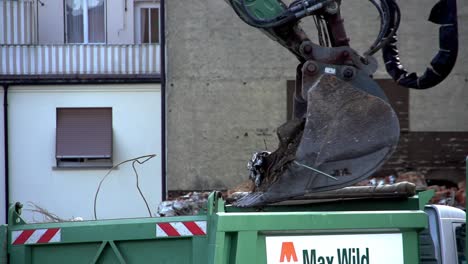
x=138 y=186
x=319 y=31
x=318 y=171
x=391 y=30
x=325 y=32
x=137 y=159
x=385 y=28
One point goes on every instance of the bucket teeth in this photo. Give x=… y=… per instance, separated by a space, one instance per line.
x=346 y=136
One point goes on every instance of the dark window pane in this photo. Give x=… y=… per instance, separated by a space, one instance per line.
x=144 y=25
x=96 y=16
x=154 y=25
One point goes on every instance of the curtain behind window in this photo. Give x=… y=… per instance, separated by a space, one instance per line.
x=144 y=25
x=96 y=16
x=74 y=18
x=154 y=25
x=149 y=24
x=94 y=21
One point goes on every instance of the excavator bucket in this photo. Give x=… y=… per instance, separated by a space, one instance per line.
x=345 y=136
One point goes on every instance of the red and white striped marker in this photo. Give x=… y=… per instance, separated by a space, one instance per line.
x=36 y=236
x=178 y=229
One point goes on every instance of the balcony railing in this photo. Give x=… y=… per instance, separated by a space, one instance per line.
x=79 y=59
x=17 y=22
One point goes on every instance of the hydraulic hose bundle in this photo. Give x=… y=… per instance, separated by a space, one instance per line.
x=344 y=128
x=295 y=11
x=444 y=13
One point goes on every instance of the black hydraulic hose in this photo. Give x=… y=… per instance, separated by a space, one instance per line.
x=389 y=26
x=384 y=14
x=443 y=13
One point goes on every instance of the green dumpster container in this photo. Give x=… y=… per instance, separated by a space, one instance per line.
x=3 y=244
x=351 y=232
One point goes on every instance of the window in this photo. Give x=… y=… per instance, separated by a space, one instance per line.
x=85 y=21
x=146 y=22
x=460 y=234
x=84 y=137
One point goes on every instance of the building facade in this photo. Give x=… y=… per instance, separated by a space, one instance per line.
x=227 y=90
x=82 y=89
x=223 y=94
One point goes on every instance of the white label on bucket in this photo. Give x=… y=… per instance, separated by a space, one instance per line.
x=330 y=70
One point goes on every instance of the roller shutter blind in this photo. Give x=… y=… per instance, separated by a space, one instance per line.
x=84 y=133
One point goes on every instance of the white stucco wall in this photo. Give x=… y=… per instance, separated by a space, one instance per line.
x=120 y=22
x=70 y=193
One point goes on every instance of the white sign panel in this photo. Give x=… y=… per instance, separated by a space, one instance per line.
x=335 y=249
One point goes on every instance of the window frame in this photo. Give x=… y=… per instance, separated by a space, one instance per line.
x=138 y=5
x=85 y=25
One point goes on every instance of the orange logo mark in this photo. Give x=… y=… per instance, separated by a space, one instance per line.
x=288 y=251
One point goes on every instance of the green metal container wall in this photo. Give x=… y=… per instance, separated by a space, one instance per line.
x=3 y=244
x=108 y=241
x=230 y=235
x=248 y=245
x=239 y=238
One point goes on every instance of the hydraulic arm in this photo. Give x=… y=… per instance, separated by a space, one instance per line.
x=344 y=128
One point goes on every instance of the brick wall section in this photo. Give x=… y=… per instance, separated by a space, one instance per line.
x=422 y=151
x=426 y=151
x=399 y=99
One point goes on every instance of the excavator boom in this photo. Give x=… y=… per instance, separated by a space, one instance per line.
x=344 y=128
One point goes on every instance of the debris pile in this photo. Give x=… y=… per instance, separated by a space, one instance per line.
x=453 y=196
x=444 y=194
x=192 y=203
x=46 y=216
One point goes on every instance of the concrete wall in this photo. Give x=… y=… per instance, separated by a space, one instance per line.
x=70 y=193
x=226 y=85
x=226 y=88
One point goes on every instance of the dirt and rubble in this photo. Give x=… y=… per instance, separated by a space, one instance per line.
x=446 y=192
x=182 y=203
x=193 y=203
